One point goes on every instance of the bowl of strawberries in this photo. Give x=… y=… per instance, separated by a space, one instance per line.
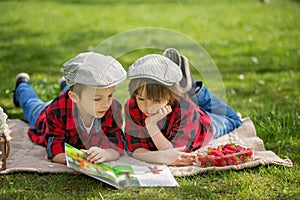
x=224 y=155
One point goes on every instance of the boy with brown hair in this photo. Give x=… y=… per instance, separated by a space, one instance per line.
x=86 y=116
x=162 y=122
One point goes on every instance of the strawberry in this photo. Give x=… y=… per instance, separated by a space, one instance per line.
x=236 y=163
x=230 y=147
x=222 y=163
x=227 y=151
x=233 y=158
x=212 y=160
x=239 y=148
x=249 y=152
x=229 y=161
x=219 y=159
x=216 y=152
x=202 y=159
x=228 y=154
x=242 y=157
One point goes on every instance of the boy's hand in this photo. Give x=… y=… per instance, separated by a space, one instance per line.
x=163 y=112
x=185 y=159
x=96 y=154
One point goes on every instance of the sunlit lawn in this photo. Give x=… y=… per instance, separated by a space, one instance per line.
x=255 y=47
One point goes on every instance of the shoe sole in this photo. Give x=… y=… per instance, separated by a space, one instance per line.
x=182 y=62
x=19 y=76
x=25 y=75
x=188 y=75
x=173 y=55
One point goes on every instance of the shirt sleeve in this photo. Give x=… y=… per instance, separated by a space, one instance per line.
x=55 y=135
x=136 y=134
x=113 y=130
x=191 y=128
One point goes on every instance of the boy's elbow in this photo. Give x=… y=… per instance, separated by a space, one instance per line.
x=59 y=158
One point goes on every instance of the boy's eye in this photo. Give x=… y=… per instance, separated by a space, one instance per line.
x=141 y=99
x=99 y=99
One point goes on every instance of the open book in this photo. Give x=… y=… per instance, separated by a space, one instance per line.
x=120 y=176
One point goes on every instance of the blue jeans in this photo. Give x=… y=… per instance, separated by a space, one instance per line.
x=224 y=118
x=31 y=104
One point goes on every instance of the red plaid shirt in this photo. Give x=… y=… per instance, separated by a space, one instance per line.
x=187 y=125
x=59 y=123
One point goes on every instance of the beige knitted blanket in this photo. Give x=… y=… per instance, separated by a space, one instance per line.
x=26 y=156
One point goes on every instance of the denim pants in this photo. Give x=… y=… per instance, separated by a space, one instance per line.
x=224 y=118
x=31 y=104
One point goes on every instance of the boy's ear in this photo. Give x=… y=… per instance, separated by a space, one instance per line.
x=73 y=96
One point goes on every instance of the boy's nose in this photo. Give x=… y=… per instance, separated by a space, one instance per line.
x=149 y=105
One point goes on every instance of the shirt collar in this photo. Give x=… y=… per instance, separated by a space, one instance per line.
x=72 y=115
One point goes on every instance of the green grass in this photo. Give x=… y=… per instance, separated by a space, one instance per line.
x=39 y=36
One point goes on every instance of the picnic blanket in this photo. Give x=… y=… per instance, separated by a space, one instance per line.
x=29 y=157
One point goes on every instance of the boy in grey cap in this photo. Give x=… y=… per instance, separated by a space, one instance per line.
x=86 y=116
x=163 y=124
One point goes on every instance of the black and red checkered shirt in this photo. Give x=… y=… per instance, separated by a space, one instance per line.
x=187 y=125
x=59 y=123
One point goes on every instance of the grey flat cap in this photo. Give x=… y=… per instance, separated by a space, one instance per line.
x=93 y=69
x=156 y=67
